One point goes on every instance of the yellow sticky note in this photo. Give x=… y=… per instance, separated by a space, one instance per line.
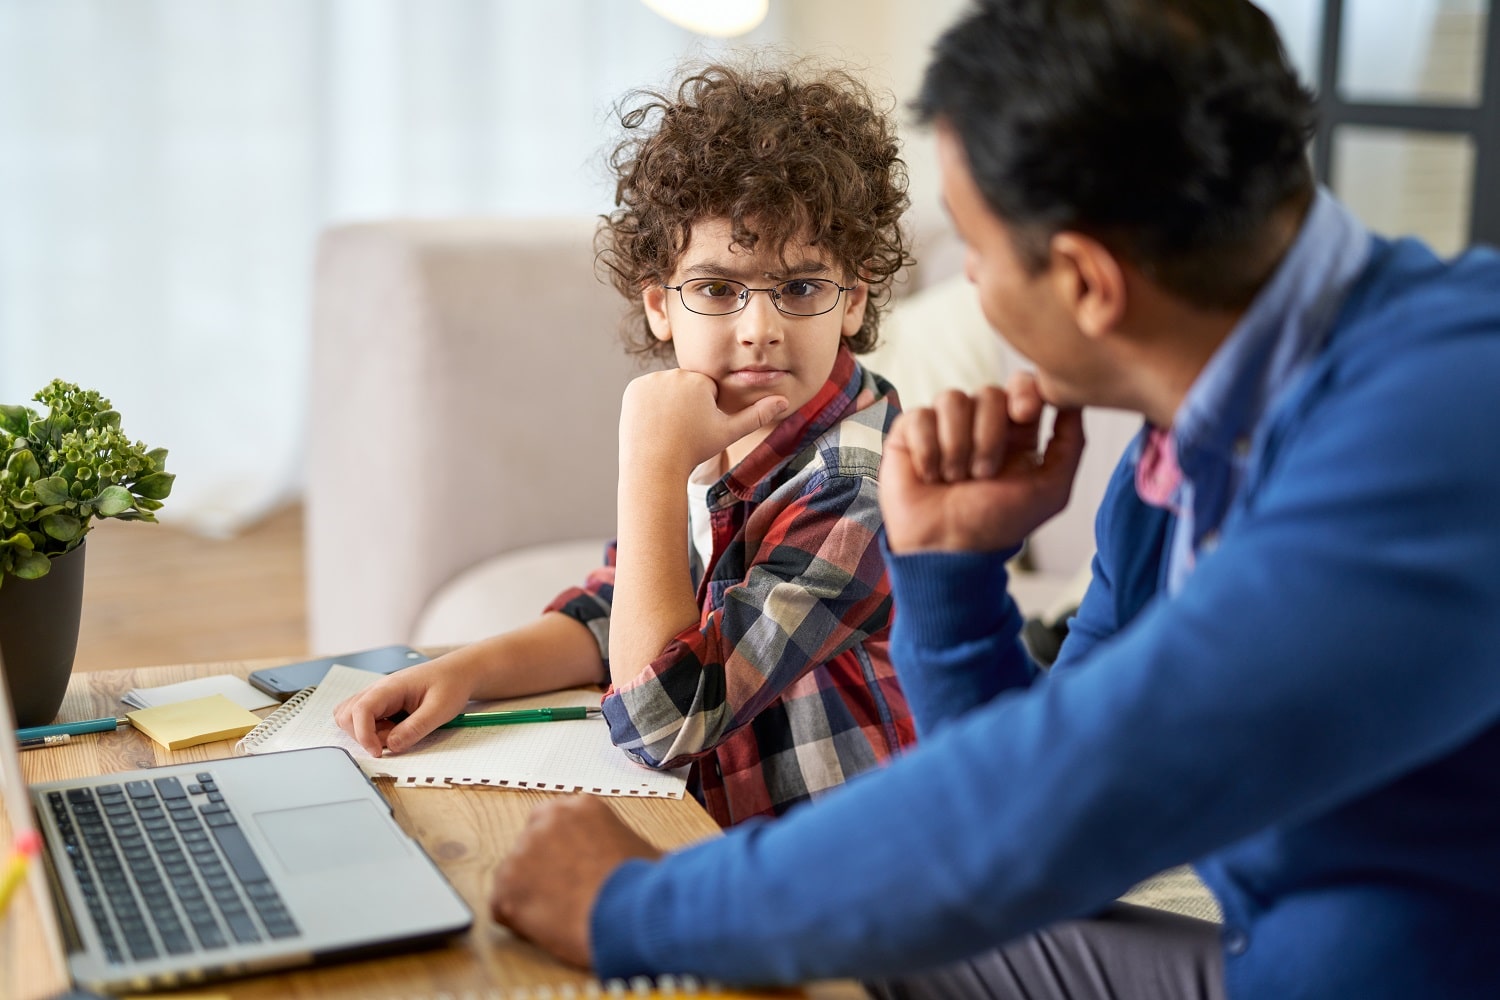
x=188 y=723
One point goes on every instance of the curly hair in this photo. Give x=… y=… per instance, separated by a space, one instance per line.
x=786 y=153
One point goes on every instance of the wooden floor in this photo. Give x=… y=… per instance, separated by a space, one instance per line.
x=155 y=594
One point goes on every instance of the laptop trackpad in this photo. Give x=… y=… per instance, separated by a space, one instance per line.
x=335 y=835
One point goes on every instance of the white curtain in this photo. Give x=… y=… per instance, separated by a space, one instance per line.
x=166 y=166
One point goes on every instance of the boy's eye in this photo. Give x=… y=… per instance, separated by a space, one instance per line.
x=713 y=289
x=804 y=289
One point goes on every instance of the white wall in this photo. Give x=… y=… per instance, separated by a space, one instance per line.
x=890 y=41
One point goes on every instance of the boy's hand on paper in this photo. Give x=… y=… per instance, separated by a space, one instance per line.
x=671 y=419
x=430 y=693
x=545 y=888
x=967 y=475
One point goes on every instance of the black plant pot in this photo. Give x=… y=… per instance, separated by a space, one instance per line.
x=39 y=637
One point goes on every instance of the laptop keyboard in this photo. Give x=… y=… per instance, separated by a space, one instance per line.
x=166 y=869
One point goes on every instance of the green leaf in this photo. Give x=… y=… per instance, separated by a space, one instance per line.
x=53 y=489
x=113 y=501
x=23 y=466
x=155 y=486
x=63 y=527
x=20 y=541
x=30 y=565
x=15 y=418
x=159 y=456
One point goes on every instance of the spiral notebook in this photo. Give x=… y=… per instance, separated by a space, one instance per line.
x=661 y=988
x=549 y=756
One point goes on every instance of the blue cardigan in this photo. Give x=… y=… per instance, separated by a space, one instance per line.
x=1314 y=720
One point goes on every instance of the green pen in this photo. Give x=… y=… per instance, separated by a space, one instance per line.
x=516 y=715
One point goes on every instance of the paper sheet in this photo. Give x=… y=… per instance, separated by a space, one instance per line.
x=551 y=756
x=235 y=689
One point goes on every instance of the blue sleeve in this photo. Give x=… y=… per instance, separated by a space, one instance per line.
x=1297 y=671
x=956 y=638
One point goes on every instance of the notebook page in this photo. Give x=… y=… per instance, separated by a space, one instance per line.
x=553 y=756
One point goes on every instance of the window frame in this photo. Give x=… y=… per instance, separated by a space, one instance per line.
x=1480 y=121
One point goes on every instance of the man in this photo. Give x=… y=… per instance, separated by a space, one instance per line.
x=1283 y=671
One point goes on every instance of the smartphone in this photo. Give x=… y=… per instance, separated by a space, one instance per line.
x=283 y=682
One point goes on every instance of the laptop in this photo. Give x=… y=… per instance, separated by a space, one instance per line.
x=216 y=869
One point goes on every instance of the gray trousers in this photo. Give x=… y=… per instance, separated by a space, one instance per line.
x=1126 y=953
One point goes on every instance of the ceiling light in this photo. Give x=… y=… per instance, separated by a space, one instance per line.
x=719 y=18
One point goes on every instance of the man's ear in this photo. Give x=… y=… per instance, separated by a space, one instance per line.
x=854 y=304
x=654 y=297
x=1089 y=281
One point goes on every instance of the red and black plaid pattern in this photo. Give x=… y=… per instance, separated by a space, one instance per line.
x=785 y=688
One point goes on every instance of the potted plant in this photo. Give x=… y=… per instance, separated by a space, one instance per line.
x=58 y=472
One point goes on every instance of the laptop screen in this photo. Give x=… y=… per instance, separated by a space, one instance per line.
x=23 y=938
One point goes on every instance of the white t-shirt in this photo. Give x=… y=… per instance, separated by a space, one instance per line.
x=699 y=523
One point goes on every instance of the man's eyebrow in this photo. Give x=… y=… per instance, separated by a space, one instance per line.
x=712 y=269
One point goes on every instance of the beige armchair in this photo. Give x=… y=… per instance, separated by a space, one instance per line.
x=465 y=386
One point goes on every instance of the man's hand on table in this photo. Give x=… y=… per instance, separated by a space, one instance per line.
x=545 y=888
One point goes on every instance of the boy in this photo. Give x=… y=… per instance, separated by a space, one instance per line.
x=742 y=616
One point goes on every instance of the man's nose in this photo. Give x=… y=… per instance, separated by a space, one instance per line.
x=760 y=320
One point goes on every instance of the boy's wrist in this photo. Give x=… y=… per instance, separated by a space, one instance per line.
x=474 y=668
x=648 y=465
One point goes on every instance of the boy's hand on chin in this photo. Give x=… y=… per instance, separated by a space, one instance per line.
x=671 y=419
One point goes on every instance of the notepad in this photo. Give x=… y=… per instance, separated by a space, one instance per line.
x=189 y=723
x=549 y=756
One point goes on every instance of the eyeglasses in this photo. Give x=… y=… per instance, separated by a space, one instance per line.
x=797 y=297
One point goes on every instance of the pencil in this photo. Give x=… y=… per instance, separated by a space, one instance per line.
x=28 y=844
x=37 y=742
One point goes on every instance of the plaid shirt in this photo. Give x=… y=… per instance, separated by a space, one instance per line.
x=785 y=688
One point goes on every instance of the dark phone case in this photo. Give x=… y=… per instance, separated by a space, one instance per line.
x=283 y=682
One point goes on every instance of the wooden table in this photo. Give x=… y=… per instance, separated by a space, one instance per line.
x=465 y=830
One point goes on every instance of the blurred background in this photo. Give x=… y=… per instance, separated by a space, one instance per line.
x=166 y=167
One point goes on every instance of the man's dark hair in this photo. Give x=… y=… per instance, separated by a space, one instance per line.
x=1170 y=130
x=784 y=152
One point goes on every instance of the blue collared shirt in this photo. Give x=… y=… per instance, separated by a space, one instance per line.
x=1261 y=359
